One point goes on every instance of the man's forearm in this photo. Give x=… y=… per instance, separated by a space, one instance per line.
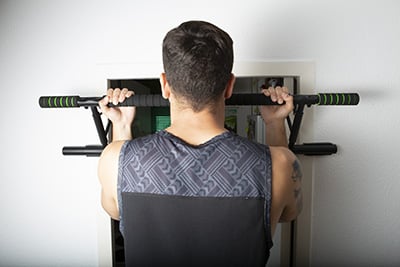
x=276 y=134
x=121 y=132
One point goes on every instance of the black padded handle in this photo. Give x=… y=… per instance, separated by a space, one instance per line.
x=159 y=101
x=253 y=99
x=144 y=101
x=318 y=99
x=249 y=99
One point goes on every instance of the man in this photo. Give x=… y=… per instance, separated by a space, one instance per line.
x=198 y=60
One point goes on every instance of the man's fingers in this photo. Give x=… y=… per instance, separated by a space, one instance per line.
x=118 y=95
x=129 y=93
x=277 y=94
x=125 y=93
x=110 y=93
x=279 y=91
x=103 y=104
x=115 y=96
x=122 y=95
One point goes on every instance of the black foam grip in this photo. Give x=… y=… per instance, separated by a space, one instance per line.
x=144 y=101
x=338 y=99
x=59 y=101
x=249 y=99
x=159 y=101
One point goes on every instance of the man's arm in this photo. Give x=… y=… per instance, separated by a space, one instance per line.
x=287 y=197
x=108 y=177
x=287 y=200
x=121 y=118
x=275 y=134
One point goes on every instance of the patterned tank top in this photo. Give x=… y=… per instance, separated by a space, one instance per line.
x=228 y=165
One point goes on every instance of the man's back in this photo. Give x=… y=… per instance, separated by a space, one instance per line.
x=225 y=166
x=208 y=203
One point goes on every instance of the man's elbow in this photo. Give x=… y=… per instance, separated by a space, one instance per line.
x=110 y=207
x=114 y=214
x=290 y=214
x=289 y=217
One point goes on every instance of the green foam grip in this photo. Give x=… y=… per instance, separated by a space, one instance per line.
x=58 y=101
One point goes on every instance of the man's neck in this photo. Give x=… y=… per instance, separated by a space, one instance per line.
x=197 y=128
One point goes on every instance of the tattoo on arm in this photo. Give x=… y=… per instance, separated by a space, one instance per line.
x=297 y=176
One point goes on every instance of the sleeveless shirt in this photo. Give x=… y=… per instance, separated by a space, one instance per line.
x=228 y=165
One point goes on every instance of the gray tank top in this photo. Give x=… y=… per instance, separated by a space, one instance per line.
x=228 y=165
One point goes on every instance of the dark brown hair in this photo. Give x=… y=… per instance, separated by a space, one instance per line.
x=198 y=60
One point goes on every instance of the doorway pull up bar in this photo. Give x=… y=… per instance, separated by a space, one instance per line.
x=236 y=100
x=300 y=102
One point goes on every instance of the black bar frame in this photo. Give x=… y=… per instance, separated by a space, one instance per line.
x=309 y=149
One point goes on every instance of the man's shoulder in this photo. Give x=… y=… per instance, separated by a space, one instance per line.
x=248 y=142
x=145 y=139
x=144 y=145
x=281 y=156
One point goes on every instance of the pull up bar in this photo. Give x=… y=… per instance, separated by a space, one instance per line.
x=235 y=100
x=300 y=101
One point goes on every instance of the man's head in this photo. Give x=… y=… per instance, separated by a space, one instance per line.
x=198 y=60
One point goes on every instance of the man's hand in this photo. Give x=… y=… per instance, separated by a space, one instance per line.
x=277 y=113
x=274 y=116
x=121 y=117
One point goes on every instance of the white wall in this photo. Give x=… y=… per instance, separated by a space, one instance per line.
x=50 y=211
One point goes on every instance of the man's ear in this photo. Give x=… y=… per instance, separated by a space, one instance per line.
x=229 y=87
x=165 y=90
